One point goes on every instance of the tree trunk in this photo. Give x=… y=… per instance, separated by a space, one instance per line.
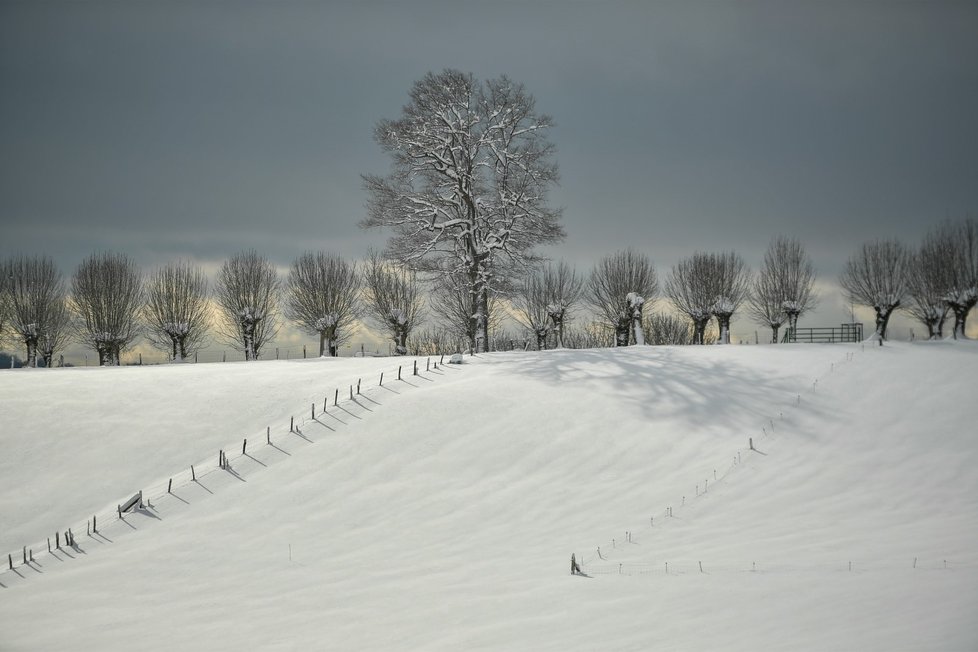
x=960 y=318
x=31 y=343
x=558 y=321
x=883 y=314
x=723 y=323
x=774 y=333
x=322 y=343
x=623 y=332
x=699 y=330
x=541 y=334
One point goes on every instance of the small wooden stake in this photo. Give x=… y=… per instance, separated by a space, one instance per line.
x=314 y=411
x=291 y=424
x=336 y=397
x=415 y=367
x=10 y=559
x=244 y=446
x=701 y=567
x=268 y=434
x=427 y=365
x=95 y=521
x=358 y=385
x=351 y=392
x=381 y=378
x=57 y=539
x=398 y=372
x=193 y=476
x=169 y=486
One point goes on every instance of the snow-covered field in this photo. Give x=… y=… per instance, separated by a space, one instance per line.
x=440 y=512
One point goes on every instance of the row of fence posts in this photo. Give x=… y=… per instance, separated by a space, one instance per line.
x=222 y=463
x=850 y=356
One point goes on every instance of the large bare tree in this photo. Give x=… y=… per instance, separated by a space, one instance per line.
x=322 y=295
x=247 y=294
x=467 y=193
x=877 y=276
x=393 y=299
x=177 y=310
x=107 y=293
x=34 y=295
x=957 y=244
x=620 y=287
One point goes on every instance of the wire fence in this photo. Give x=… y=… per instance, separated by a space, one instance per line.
x=227 y=465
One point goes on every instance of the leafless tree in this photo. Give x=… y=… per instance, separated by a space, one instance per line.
x=322 y=295
x=107 y=294
x=467 y=194
x=531 y=308
x=765 y=305
x=393 y=299
x=731 y=280
x=663 y=328
x=247 y=294
x=620 y=287
x=34 y=296
x=784 y=288
x=176 y=309
x=955 y=247
x=927 y=283
x=564 y=289
x=4 y=301
x=450 y=302
x=709 y=285
x=877 y=276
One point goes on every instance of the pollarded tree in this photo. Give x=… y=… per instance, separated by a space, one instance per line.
x=322 y=295
x=38 y=312
x=247 y=294
x=730 y=280
x=958 y=243
x=691 y=290
x=107 y=294
x=176 y=309
x=4 y=302
x=531 y=308
x=467 y=193
x=450 y=301
x=393 y=299
x=877 y=276
x=563 y=289
x=619 y=288
x=765 y=305
x=787 y=276
x=927 y=283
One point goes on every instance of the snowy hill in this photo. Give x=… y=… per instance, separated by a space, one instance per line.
x=439 y=512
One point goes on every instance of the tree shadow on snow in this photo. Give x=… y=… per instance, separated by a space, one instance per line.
x=663 y=382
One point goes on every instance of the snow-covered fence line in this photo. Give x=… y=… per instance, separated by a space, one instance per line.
x=142 y=500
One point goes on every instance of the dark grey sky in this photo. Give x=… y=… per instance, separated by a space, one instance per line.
x=197 y=129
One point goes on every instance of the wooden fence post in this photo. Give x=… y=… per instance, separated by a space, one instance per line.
x=398 y=372
x=95 y=517
x=291 y=424
x=169 y=486
x=268 y=434
x=193 y=476
x=381 y=378
x=313 y=411
x=358 y=386
x=244 y=446
x=336 y=397
x=415 y=367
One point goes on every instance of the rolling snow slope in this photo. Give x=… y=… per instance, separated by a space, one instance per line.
x=439 y=513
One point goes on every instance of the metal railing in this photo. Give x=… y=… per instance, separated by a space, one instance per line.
x=825 y=335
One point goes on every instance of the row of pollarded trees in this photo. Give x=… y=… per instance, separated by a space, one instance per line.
x=108 y=303
x=936 y=280
x=702 y=287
